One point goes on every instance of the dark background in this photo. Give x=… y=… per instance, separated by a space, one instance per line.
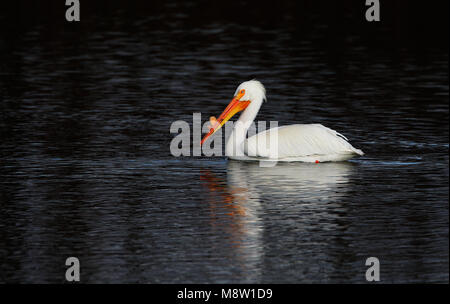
x=86 y=171
x=413 y=24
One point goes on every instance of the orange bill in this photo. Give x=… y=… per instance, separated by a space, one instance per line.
x=234 y=107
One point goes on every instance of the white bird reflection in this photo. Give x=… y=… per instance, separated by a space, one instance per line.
x=304 y=182
x=300 y=194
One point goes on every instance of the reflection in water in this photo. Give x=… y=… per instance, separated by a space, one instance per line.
x=237 y=205
x=235 y=211
x=86 y=171
x=308 y=183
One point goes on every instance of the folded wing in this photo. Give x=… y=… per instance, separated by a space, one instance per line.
x=300 y=140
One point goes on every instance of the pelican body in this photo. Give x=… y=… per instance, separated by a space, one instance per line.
x=298 y=142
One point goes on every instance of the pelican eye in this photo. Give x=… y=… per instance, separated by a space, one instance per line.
x=242 y=92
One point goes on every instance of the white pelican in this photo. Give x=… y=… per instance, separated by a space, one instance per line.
x=299 y=142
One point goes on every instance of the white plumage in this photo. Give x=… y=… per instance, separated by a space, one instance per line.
x=299 y=142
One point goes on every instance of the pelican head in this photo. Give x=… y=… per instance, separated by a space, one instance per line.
x=248 y=92
x=253 y=90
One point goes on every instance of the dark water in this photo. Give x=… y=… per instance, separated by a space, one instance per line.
x=86 y=169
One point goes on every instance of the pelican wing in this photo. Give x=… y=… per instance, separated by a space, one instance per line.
x=300 y=140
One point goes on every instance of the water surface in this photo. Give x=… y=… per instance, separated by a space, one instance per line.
x=86 y=169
